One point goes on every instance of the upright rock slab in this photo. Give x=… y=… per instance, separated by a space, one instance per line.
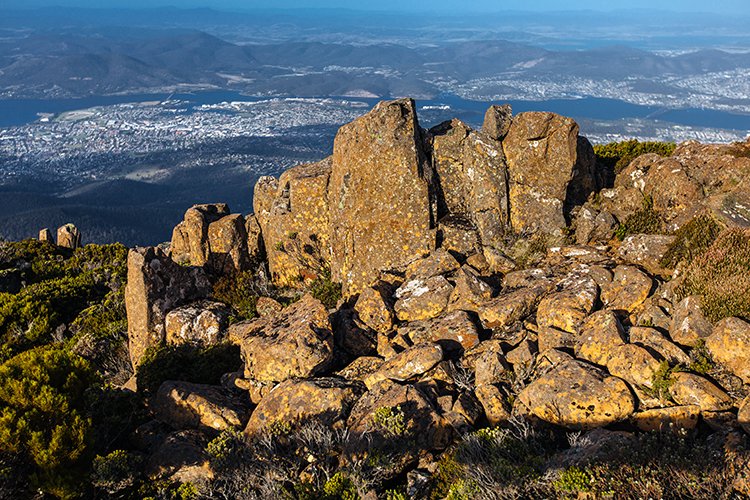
x=379 y=195
x=190 y=244
x=68 y=236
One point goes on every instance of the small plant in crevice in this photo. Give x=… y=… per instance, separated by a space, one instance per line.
x=645 y=221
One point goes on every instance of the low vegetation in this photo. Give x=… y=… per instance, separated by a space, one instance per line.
x=615 y=156
x=691 y=240
x=647 y=220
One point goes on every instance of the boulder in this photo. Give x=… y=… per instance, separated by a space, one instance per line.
x=629 y=288
x=455 y=332
x=227 y=243
x=267 y=306
x=256 y=251
x=409 y=364
x=185 y=405
x=181 y=457
x=729 y=344
x=743 y=414
x=689 y=326
x=296 y=342
x=646 y=250
x=200 y=323
x=511 y=307
x=190 y=244
x=458 y=234
x=691 y=389
x=361 y=367
x=374 y=307
x=495 y=404
x=497 y=121
x=601 y=334
x=593 y=226
x=545 y=163
x=490 y=367
x=324 y=400
x=578 y=396
x=470 y=290
x=675 y=419
x=440 y=261
x=634 y=364
x=68 y=236
x=566 y=308
x=380 y=195
x=294 y=218
x=156 y=285
x=46 y=235
x=655 y=341
x=420 y=299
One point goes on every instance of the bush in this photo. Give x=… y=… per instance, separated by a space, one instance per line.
x=721 y=277
x=116 y=471
x=239 y=291
x=616 y=156
x=645 y=221
x=691 y=240
x=390 y=420
x=325 y=290
x=200 y=365
x=574 y=480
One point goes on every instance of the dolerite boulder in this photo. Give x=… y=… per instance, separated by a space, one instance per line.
x=294 y=219
x=198 y=406
x=578 y=396
x=547 y=171
x=294 y=402
x=68 y=236
x=729 y=344
x=411 y=363
x=200 y=323
x=156 y=285
x=497 y=120
x=379 y=195
x=190 y=243
x=296 y=342
x=46 y=235
x=227 y=241
x=473 y=178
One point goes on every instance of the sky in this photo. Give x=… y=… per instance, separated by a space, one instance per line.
x=448 y=6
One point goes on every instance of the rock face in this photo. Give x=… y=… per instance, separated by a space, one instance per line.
x=294 y=219
x=296 y=342
x=197 y=406
x=199 y=323
x=156 y=285
x=542 y=152
x=68 y=236
x=380 y=186
x=190 y=237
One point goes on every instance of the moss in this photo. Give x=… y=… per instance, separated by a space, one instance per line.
x=645 y=221
x=691 y=240
x=721 y=277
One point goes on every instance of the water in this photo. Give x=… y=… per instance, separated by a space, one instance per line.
x=15 y=112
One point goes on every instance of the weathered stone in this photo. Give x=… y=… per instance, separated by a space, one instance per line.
x=601 y=334
x=653 y=340
x=458 y=234
x=227 y=243
x=634 y=364
x=593 y=226
x=691 y=389
x=266 y=306
x=360 y=368
x=655 y=316
x=294 y=217
x=689 y=325
x=578 y=396
x=155 y=286
x=495 y=404
x=422 y=421
x=743 y=415
x=490 y=367
x=552 y=338
x=522 y=356
x=455 y=332
x=468 y=407
x=375 y=307
x=297 y=342
x=646 y=250
x=510 y=308
x=675 y=418
x=566 y=308
x=379 y=194
x=181 y=457
x=68 y=236
x=470 y=291
x=497 y=261
x=440 y=261
x=420 y=299
x=256 y=251
x=198 y=406
x=411 y=363
x=497 y=121
x=351 y=338
x=294 y=402
x=542 y=151
x=629 y=289
x=729 y=344
x=190 y=244
x=46 y=235
x=200 y=323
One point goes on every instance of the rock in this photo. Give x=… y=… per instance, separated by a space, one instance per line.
x=497 y=261
x=473 y=179
x=68 y=236
x=351 y=338
x=458 y=234
x=629 y=289
x=455 y=332
x=46 y=235
x=655 y=341
x=729 y=344
x=227 y=243
x=691 y=389
x=566 y=308
x=593 y=226
x=295 y=402
x=542 y=151
x=578 y=396
x=743 y=415
x=689 y=326
x=522 y=356
x=470 y=291
x=266 y=306
x=497 y=121
x=409 y=364
x=379 y=195
x=510 y=308
x=297 y=342
x=646 y=250
x=375 y=308
x=200 y=323
x=490 y=368
x=601 y=334
x=495 y=404
x=198 y=406
x=552 y=338
x=360 y=368
x=181 y=457
x=422 y=421
x=420 y=299
x=294 y=216
x=634 y=364
x=155 y=286
x=256 y=251
x=439 y=262
x=674 y=419
x=190 y=244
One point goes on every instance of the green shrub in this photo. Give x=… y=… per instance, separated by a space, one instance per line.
x=325 y=290
x=662 y=381
x=341 y=486
x=200 y=365
x=700 y=359
x=117 y=471
x=46 y=260
x=390 y=420
x=238 y=291
x=645 y=221
x=617 y=156
x=691 y=240
x=573 y=479
x=721 y=277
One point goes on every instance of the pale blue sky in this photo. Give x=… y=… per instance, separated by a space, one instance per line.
x=717 y=6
